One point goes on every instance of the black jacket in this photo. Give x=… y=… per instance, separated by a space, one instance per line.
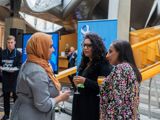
x=86 y=104
x=72 y=59
x=13 y=59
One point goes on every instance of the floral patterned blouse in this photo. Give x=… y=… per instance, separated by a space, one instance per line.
x=119 y=94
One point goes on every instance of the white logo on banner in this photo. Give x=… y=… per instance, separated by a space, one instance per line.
x=85 y=29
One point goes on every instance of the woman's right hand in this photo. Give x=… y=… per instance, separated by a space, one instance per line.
x=63 y=96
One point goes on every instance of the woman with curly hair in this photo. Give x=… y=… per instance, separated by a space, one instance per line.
x=93 y=64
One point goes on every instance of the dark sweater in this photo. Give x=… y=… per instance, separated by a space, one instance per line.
x=12 y=59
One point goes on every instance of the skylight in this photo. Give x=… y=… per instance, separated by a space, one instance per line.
x=40 y=24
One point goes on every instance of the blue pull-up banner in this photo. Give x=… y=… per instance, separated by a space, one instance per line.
x=106 y=29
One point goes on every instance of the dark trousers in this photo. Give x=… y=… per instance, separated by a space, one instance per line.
x=7 y=101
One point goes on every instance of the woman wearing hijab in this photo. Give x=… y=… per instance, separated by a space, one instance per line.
x=37 y=88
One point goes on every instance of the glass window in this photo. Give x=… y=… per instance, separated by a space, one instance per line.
x=4 y=2
x=40 y=24
x=42 y=5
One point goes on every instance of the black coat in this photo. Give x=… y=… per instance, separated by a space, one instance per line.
x=13 y=59
x=86 y=104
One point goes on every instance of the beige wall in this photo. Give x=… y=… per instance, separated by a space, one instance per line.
x=70 y=39
x=13 y=22
x=1 y=34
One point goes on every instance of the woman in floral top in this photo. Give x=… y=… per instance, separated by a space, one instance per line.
x=119 y=93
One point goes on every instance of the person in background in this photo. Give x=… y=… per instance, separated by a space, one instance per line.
x=38 y=90
x=66 y=49
x=10 y=65
x=119 y=93
x=93 y=64
x=72 y=55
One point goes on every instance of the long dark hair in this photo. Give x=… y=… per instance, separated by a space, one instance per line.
x=98 y=50
x=126 y=55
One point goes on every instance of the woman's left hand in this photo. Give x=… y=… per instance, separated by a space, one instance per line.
x=79 y=80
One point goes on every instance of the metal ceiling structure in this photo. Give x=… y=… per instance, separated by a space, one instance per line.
x=42 y=5
x=40 y=24
x=4 y=2
x=65 y=12
x=4 y=13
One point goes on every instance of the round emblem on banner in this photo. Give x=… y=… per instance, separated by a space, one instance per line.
x=85 y=29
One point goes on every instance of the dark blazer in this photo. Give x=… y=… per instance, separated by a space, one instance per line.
x=72 y=59
x=86 y=104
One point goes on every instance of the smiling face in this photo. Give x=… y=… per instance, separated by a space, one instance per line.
x=87 y=48
x=113 y=56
